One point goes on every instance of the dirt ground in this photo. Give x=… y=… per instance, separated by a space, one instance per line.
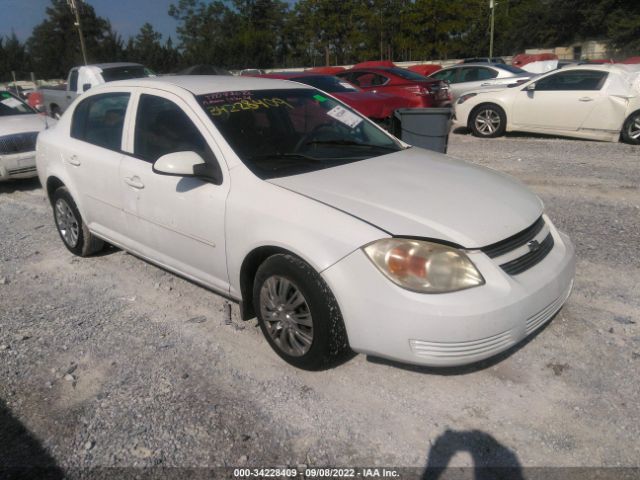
x=111 y=362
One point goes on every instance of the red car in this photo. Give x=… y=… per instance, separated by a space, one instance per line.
x=420 y=91
x=376 y=106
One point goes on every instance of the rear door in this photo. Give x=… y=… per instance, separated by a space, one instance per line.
x=560 y=101
x=92 y=158
x=177 y=222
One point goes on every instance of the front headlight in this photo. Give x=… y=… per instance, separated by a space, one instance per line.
x=423 y=266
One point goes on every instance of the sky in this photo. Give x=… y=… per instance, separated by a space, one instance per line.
x=126 y=16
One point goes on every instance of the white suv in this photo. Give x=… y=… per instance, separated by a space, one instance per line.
x=334 y=233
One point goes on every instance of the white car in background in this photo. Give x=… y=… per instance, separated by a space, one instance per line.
x=465 y=77
x=598 y=102
x=334 y=233
x=19 y=127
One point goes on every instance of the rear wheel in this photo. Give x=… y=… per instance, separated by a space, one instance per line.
x=631 y=129
x=488 y=121
x=74 y=233
x=298 y=314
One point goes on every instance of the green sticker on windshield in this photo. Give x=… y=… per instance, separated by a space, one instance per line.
x=6 y=95
x=320 y=98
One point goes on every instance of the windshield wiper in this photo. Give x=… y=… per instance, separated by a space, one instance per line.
x=349 y=143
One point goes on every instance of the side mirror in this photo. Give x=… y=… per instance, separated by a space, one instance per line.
x=86 y=87
x=187 y=164
x=531 y=87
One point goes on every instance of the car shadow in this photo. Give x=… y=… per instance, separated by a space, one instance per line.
x=22 y=455
x=28 y=184
x=467 y=131
x=464 y=369
x=107 y=250
x=491 y=459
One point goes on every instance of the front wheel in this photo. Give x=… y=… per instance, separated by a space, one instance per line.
x=488 y=121
x=298 y=314
x=631 y=129
x=74 y=233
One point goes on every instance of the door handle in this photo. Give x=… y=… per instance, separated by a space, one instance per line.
x=134 y=182
x=73 y=160
x=485 y=84
x=585 y=99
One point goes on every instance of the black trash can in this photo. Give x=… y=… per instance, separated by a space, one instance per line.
x=424 y=127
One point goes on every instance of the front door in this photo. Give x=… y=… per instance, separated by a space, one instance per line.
x=560 y=101
x=177 y=222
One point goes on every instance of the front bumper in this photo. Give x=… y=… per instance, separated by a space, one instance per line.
x=18 y=165
x=456 y=328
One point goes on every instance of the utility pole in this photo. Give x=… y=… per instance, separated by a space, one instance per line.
x=73 y=4
x=492 y=6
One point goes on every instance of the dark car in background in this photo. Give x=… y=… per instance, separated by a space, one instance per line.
x=418 y=89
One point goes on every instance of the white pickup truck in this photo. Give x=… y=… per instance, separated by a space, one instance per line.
x=55 y=100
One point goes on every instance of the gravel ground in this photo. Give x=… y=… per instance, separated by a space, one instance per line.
x=111 y=362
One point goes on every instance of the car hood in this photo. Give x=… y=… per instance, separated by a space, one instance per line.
x=420 y=193
x=13 y=124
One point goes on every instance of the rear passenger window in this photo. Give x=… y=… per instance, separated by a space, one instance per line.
x=163 y=127
x=99 y=120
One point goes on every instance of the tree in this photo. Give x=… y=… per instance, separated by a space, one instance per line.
x=54 y=46
x=13 y=57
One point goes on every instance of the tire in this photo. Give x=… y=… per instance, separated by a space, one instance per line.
x=309 y=333
x=487 y=121
x=72 y=230
x=631 y=129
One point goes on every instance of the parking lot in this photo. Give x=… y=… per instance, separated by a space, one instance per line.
x=110 y=361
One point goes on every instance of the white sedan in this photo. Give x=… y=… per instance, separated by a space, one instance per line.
x=598 y=102
x=19 y=127
x=333 y=233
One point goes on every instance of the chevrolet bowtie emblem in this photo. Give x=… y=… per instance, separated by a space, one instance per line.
x=533 y=245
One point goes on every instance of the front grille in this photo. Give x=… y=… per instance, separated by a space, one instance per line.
x=549 y=311
x=515 y=241
x=537 y=251
x=19 y=171
x=442 y=350
x=530 y=259
x=18 y=143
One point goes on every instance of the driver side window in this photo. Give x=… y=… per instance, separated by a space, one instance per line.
x=162 y=127
x=573 y=80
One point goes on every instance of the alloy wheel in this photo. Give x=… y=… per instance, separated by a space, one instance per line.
x=67 y=223
x=634 y=128
x=286 y=316
x=487 y=121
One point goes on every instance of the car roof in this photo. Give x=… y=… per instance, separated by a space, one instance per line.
x=104 y=66
x=283 y=75
x=606 y=67
x=203 y=84
x=367 y=69
x=479 y=64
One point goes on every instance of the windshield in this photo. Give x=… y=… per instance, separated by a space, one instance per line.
x=407 y=74
x=125 y=73
x=327 y=83
x=11 y=105
x=284 y=132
